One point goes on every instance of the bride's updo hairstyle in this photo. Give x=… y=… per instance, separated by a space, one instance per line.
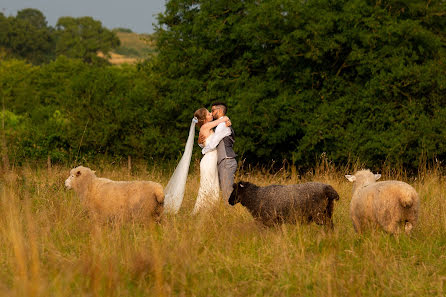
x=200 y=114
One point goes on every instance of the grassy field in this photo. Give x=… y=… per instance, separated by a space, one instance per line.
x=133 y=49
x=50 y=247
x=141 y=43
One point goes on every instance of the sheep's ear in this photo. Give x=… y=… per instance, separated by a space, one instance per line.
x=351 y=178
x=377 y=176
x=234 y=186
x=78 y=173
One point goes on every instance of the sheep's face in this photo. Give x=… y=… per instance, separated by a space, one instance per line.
x=77 y=176
x=362 y=178
x=237 y=189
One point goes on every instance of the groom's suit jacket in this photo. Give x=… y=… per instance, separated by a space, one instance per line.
x=225 y=147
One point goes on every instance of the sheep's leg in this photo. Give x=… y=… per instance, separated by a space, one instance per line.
x=156 y=218
x=408 y=226
x=410 y=222
x=356 y=224
x=158 y=213
x=392 y=227
x=322 y=219
x=269 y=223
x=328 y=217
x=329 y=223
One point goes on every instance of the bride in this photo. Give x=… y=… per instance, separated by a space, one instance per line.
x=209 y=186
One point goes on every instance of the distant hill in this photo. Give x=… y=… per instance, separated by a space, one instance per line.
x=134 y=47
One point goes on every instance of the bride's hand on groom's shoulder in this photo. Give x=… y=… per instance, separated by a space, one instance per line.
x=227 y=120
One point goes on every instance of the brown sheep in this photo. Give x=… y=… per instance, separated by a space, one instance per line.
x=108 y=198
x=276 y=204
x=386 y=203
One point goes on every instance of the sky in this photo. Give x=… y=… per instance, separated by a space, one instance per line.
x=137 y=15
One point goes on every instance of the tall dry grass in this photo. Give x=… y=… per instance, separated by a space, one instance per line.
x=50 y=247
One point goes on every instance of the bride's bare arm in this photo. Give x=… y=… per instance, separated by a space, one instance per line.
x=205 y=130
x=213 y=124
x=201 y=138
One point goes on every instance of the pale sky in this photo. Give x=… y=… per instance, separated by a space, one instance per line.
x=137 y=15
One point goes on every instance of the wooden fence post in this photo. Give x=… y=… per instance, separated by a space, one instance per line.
x=129 y=164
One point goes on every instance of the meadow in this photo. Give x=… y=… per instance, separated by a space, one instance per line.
x=49 y=246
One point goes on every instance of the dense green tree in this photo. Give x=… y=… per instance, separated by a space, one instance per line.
x=123 y=30
x=349 y=79
x=84 y=38
x=14 y=86
x=33 y=16
x=4 y=27
x=354 y=79
x=27 y=36
x=68 y=109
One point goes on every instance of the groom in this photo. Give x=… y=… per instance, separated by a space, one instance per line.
x=226 y=163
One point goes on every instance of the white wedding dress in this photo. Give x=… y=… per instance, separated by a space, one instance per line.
x=208 y=192
x=174 y=191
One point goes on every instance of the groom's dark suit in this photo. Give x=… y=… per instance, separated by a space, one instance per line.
x=227 y=165
x=225 y=147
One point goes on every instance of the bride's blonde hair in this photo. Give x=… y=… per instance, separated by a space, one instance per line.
x=200 y=114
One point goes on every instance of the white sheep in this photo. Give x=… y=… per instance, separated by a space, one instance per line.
x=108 y=198
x=386 y=203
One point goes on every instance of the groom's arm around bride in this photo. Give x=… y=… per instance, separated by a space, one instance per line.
x=227 y=164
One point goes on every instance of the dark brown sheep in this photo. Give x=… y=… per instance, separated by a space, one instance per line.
x=276 y=204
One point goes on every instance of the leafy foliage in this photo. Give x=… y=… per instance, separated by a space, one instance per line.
x=348 y=79
x=122 y=30
x=83 y=38
x=71 y=109
x=27 y=36
x=354 y=79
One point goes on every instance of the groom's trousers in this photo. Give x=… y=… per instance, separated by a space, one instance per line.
x=226 y=174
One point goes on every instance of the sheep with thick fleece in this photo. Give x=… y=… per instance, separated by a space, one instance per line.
x=276 y=204
x=108 y=198
x=386 y=203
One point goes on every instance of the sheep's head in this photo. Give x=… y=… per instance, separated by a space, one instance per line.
x=78 y=175
x=362 y=178
x=237 y=190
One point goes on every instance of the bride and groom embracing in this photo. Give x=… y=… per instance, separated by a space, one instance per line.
x=217 y=166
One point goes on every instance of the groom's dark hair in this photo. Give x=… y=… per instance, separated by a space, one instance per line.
x=221 y=105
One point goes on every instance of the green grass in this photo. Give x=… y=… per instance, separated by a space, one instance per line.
x=50 y=247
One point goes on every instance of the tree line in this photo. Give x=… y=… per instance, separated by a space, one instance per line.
x=28 y=36
x=348 y=79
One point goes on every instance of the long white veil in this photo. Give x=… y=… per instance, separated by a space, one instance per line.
x=174 y=191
